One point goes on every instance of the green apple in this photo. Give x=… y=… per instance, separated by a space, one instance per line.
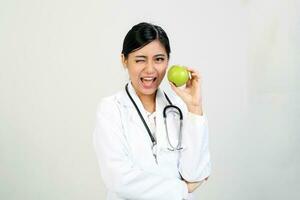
x=178 y=75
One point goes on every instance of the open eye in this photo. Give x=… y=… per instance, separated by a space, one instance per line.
x=140 y=61
x=159 y=59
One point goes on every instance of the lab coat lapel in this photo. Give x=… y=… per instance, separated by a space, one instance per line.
x=133 y=115
x=161 y=102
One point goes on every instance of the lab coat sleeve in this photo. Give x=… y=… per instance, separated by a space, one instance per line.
x=119 y=173
x=195 y=162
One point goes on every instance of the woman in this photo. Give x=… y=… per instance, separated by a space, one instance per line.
x=138 y=154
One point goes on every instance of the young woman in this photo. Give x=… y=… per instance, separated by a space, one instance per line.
x=142 y=155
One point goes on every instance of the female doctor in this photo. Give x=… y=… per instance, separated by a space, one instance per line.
x=140 y=156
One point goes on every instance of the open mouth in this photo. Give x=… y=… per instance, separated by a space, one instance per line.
x=148 y=82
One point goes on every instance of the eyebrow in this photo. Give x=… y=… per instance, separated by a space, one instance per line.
x=141 y=56
x=157 y=55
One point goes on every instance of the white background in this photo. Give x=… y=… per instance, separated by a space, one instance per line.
x=58 y=58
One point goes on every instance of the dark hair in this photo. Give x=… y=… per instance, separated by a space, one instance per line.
x=142 y=34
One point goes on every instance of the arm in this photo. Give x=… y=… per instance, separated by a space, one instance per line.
x=118 y=171
x=195 y=163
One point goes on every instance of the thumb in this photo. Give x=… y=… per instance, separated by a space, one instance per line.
x=175 y=89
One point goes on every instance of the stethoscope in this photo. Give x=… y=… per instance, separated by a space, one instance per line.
x=169 y=108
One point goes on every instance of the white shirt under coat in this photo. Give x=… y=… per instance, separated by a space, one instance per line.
x=123 y=147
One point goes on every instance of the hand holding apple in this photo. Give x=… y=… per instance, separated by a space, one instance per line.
x=191 y=94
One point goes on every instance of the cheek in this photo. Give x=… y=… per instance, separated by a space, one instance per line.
x=162 y=73
x=163 y=70
x=133 y=71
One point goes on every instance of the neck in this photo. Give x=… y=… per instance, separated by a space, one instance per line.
x=148 y=101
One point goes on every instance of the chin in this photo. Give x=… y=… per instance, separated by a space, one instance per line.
x=146 y=91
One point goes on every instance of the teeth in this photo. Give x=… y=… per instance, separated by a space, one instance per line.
x=148 y=79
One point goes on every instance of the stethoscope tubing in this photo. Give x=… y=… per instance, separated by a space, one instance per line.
x=171 y=106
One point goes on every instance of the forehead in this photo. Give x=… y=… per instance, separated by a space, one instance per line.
x=153 y=48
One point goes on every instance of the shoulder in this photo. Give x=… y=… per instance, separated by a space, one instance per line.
x=110 y=105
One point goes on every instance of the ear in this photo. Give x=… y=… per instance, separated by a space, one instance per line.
x=124 y=61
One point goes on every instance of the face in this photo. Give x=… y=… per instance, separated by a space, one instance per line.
x=147 y=67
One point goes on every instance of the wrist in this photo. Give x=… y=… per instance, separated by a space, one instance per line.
x=196 y=109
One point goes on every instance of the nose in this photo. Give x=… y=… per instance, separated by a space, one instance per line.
x=150 y=67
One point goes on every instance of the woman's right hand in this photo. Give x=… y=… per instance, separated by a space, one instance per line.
x=192 y=186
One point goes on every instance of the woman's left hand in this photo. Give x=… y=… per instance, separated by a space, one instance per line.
x=191 y=94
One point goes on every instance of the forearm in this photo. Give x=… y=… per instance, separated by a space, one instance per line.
x=196 y=109
x=195 y=159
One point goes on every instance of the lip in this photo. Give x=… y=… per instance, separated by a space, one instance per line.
x=151 y=85
x=148 y=76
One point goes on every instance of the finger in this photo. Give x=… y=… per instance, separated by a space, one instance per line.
x=192 y=70
x=189 y=83
x=194 y=73
x=175 y=89
x=172 y=85
x=195 y=76
x=193 y=81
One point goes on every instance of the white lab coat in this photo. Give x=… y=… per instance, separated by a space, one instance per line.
x=123 y=147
